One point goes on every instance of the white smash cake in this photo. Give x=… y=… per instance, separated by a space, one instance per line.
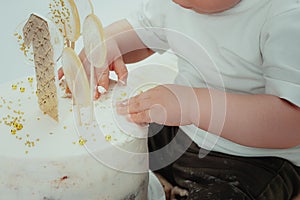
x=53 y=150
x=41 y=158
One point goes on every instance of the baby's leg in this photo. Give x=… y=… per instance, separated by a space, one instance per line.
x=297 y=197
x=171 y=192
x=221 y=176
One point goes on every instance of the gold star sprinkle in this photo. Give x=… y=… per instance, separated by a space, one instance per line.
x=14 y=87
x=19 y=127
x=13 y=131
x=22 y=89
x=108 y=138
x=30 y=79
x=82 y=141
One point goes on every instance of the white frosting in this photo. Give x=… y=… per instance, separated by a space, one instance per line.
x=44 y=159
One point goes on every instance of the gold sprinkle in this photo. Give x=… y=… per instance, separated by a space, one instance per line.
x=13 y=131
x=26 y=152
x=38 y=118
x=65 y=127
x=30 y=79
x=124 y=94
x=19 y=127
x=27 y=135
x=14 y=87
x=38 y=139
x=108 y=138
x=22 y=89
x=82 y=141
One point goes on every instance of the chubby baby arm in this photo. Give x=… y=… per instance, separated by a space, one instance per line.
x=263 y=121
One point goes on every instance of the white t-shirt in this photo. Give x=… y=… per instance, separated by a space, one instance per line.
x=253 y=48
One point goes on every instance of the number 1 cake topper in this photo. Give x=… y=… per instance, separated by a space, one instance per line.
x=66 y=20
x=36 y=33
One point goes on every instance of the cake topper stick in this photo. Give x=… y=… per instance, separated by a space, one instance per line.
x=94 y=46
x=77 y=80
x=36 y=32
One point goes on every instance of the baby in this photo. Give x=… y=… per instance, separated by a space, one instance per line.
x=230 y=125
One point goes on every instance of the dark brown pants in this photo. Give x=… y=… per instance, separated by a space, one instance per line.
x=219 y=176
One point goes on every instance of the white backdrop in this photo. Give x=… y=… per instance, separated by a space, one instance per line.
x=13 y=12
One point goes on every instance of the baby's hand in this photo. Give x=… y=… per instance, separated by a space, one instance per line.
x=101 y=75
x=170 y=105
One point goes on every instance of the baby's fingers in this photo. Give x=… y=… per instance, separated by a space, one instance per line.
x=121 y=70
x=102 y=81
x=60 y=73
